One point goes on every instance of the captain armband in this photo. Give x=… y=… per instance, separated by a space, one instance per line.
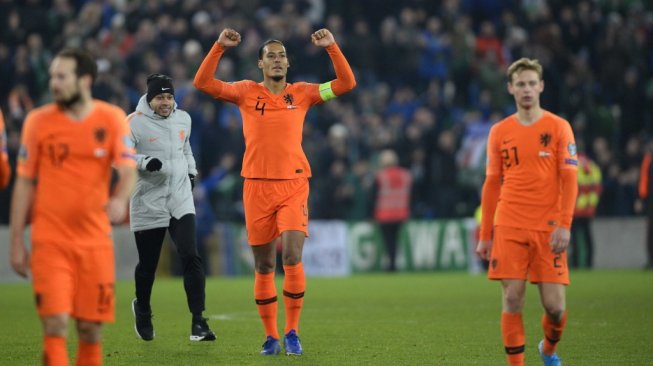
x=326 y=93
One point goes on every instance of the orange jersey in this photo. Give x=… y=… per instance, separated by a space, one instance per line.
x=273 y=124
x=5 y=169
x=529 y=159
x=71 y=164
x=273 y=127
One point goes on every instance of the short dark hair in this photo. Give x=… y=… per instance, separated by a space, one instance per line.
x=85 y=63
x=260 y=50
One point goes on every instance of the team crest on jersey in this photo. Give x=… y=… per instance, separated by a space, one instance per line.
x=545 y=139
x=289 y=99
x=100 y=135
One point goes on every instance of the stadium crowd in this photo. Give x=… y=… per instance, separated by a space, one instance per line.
x=431 y=81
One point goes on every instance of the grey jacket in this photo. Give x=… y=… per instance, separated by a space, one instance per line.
x=167 y=193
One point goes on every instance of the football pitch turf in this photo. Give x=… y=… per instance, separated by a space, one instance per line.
x=436 y=318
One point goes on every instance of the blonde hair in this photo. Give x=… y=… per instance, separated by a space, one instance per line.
x=524 y=64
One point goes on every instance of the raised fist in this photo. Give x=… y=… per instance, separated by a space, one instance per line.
x=322 y=38
x=229 y=38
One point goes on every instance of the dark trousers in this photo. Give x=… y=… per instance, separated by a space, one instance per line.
x=390 y=233
x=581 y=241
x=149 y=243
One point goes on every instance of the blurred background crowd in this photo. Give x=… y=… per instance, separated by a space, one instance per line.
x=431 y=82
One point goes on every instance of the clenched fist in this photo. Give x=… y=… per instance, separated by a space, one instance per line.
x=322 y=38
x=229 y=38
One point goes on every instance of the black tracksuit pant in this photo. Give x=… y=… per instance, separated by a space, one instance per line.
x=649 y=217
x=649 y=232
x=581 y=232
x=390 y=233
x=149 y=243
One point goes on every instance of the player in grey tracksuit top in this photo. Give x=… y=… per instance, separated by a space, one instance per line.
x=163 y=200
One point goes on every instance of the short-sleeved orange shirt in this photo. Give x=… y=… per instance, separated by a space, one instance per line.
x=529 y=158
x=71 y=164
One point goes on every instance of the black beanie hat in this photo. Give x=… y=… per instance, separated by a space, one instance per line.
x=158 y=84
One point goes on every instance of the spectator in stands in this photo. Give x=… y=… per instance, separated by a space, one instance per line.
x=596 y=54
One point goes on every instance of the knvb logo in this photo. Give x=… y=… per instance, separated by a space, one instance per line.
x=100 y=135
x=545 y=139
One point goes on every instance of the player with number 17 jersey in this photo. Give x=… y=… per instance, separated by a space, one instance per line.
x=71 y=163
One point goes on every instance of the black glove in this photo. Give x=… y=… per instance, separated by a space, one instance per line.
x=154 y=165
x=192 y=181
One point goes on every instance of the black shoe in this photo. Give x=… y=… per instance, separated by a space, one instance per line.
x=143 y=323
x=200 y=331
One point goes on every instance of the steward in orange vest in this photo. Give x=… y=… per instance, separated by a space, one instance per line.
x=589 y=191
x=393 y=187
x=645 y=181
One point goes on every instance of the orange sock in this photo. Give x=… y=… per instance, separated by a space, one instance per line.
x=89 y=354
x=294 y=285
x=265 y=294
x=552 y=333
x=512 y=329
x=55 y=352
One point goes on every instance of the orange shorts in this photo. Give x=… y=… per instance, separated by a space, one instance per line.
x=526 y=254
x=274 y=206
x=74 y=280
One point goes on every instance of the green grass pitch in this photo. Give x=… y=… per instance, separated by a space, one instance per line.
x=405 y=319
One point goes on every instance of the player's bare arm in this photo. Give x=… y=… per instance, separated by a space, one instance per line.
x=560 y=239
x=21 y=203
x=229 y=38
x=322 y=38
x=483 y=249
x=118 y=202
x=19 y=257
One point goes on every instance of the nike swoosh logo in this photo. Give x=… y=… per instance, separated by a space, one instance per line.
x=259 y=97
x=152 y=139
x=162 y=89
x=507 y=141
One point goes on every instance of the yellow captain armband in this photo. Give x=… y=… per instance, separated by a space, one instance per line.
x=326 y=93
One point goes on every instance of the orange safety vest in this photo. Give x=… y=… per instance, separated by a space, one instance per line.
x=393 y=196
x=643 y=176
